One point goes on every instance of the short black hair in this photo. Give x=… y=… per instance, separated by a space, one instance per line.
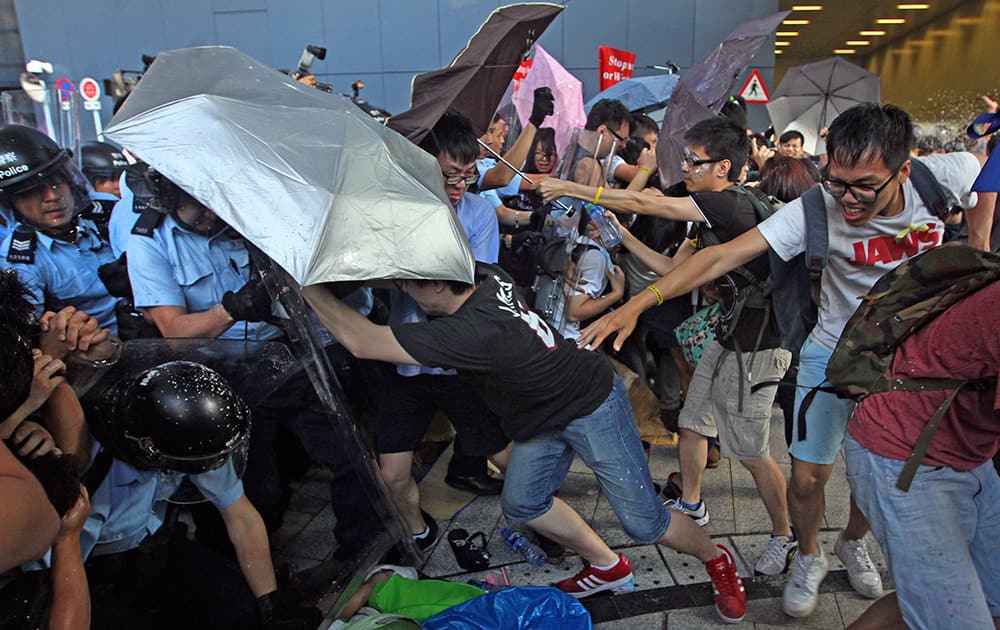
x=641 y=125
x=723 y=139
x=17 y=329
x=870 y=130
x=791 y=134
x=607 y=111
x=455 y=286
x=452 y=134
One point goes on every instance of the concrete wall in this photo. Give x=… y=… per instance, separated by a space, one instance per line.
x=381 y=42
x=939 y=73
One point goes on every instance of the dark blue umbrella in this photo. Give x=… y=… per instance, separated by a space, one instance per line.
x=639 y=94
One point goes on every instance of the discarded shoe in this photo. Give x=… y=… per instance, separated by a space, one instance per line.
x=470 y=549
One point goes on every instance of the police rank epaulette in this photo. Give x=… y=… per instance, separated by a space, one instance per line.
x=22 y=245
x=148 y=221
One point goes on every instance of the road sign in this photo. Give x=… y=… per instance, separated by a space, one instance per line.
x=754 y=90
x=90 y=89
x=65 y=88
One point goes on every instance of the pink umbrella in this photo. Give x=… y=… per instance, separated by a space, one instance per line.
x=568 y=90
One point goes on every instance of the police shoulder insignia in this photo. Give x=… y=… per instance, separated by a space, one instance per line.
x=147 y=222
x=22 y=245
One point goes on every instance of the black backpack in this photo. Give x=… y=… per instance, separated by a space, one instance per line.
x=796 y=284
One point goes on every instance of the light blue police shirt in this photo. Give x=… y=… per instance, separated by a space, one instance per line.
x=177 y=267
x=65 y=274
x=122 y=220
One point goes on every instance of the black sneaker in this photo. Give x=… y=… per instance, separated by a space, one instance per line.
x=555 y=552
x=426 y=542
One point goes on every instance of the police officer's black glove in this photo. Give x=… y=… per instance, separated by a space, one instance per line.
x=543 y=105
x=523 y=244
x=114 y=275
x=250 y=304
x=276 y=613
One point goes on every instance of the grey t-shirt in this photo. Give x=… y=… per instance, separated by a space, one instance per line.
x=859 y=256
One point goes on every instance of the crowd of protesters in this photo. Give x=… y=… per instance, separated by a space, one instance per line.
x=117 y=252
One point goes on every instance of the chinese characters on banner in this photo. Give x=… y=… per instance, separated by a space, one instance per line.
x=614 y=65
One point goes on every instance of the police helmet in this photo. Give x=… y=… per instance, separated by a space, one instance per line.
x=101 y=161
x=181 y=417
x=166 y=195
x=29 y=159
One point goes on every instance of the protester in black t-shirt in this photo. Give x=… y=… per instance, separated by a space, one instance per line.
x=556 y=401
x=733 y=386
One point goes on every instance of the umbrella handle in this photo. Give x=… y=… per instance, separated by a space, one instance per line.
x=569 y=209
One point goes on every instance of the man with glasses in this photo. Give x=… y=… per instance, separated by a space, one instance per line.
x=729 y=396
x=416 y=392
x=875 y=220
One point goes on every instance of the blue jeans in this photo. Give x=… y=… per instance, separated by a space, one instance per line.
x=608 y=443
x=939 y=539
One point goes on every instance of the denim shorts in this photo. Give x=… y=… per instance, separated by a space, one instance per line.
x=826 y=416
x=608 y=443
x=939 y=539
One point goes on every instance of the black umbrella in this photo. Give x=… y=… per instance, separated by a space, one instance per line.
x=475 y=81
x=704 y=88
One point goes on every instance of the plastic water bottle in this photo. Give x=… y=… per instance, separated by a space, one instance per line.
x=531 y=552
x=610 y=236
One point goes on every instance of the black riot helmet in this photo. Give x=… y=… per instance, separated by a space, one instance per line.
x=181 y=417
x=30 y=159
x=166 y=195
x=101 y=161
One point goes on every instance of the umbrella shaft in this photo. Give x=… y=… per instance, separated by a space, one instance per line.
x=569 y=210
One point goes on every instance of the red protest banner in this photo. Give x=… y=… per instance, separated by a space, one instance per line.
x=521 y=73
x=614 y=65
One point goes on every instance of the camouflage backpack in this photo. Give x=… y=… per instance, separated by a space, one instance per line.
x=899 y=304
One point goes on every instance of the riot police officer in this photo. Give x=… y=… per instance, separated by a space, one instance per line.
x=176 y=433
x=102 y=164
x=57 y=252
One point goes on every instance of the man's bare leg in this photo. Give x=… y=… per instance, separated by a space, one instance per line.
x=693 y=451
x=563 y=525
x=807 y=502
x=396 y=469
x=771 y=487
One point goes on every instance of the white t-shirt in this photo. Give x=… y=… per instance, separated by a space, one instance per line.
x=593 y=268
x=859 y=256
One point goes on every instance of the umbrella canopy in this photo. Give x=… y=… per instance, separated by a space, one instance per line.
x=545 y=71
x=474 y=82
x=704 y=88
x=640 y=94
x=809 y=97
x=310 y=179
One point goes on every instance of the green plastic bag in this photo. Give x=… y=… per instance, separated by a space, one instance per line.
x=420 y=599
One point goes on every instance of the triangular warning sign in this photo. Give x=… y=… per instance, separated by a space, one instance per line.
x=754 y=90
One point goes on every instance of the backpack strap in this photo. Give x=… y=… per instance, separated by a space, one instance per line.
x=924 y=441
x=817 y=240
x=98 y=471
x=931 y=191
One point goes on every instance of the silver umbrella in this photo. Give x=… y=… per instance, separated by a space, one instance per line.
x=306 y=176
x=809 y=97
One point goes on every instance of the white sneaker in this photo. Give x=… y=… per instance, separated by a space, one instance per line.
x=700 y=515
x=778 y=555
x=802 y=589
x=861 y=570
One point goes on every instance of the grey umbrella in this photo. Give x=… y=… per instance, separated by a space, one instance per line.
x=306 y=176
x=704 y=88
x=809 y=97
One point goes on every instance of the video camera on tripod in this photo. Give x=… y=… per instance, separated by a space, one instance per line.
x=309 y=55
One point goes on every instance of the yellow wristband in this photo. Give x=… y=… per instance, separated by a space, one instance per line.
x=646 y=170
x=656 y=292
x=597 y=197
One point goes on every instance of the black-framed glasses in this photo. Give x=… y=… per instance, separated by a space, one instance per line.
x=862 y=192
x=614 y=133
x=457 y=180
x=691 y=160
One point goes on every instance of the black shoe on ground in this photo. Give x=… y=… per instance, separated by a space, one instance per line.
x=556 y=553
x=428 y=541
x=482 y=485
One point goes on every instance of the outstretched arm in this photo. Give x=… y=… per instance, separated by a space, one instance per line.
x=677 y=208
x=364 y=339
x=707 y=264
x=980 y=216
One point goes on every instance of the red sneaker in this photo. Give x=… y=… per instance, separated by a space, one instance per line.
x=730 y=598
x=617 y=579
